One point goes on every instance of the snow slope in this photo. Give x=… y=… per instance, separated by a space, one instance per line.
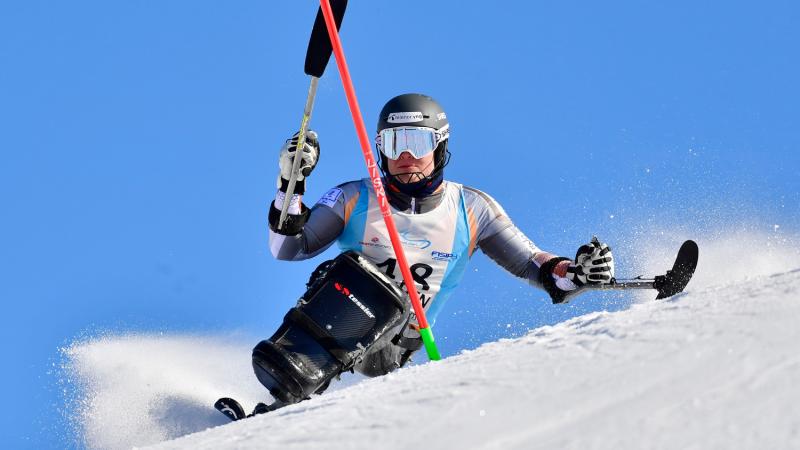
x=715 y=367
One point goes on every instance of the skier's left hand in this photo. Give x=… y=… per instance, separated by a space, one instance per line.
x=594 y=264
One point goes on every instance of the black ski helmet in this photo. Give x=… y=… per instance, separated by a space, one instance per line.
x=411 y=110
x=415 y=110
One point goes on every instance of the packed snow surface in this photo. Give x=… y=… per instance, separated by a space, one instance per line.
x=715 y=367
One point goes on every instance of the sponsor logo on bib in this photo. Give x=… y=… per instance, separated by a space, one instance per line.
x=374 y=242
x=414 y=241
x=442 y=256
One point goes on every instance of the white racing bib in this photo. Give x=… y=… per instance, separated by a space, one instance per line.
x=436 y=243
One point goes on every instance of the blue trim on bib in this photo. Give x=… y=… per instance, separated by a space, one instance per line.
x=353 y=233
x=455 y=269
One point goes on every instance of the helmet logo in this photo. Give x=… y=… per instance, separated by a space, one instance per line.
x=441 y=116
x=405 y=117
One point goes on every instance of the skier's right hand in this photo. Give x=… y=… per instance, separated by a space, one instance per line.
x=594 y=264
x=310 y=155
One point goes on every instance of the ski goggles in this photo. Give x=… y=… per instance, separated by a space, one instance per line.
x=419 y=141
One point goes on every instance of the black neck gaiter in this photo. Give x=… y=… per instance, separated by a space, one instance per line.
x=417 y=189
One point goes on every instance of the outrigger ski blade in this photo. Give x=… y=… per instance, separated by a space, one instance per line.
x=675 y=280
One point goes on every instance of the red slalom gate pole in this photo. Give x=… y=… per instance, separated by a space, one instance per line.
x=374 y=173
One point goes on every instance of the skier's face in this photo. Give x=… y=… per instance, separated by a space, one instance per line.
x=408 y=169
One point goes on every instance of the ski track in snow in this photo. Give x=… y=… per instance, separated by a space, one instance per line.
x=715 y=367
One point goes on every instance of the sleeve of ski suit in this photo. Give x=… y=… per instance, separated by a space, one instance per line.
x=493 y=232
x=323 y=224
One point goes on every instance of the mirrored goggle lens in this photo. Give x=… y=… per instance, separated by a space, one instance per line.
x=392 y=142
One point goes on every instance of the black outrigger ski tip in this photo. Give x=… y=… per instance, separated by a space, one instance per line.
x=675 y=280
x=231 y=408
x=319 y=45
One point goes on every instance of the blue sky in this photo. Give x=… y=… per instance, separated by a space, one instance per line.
x=139 y=144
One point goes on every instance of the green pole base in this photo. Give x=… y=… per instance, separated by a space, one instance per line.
x=430 y=345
